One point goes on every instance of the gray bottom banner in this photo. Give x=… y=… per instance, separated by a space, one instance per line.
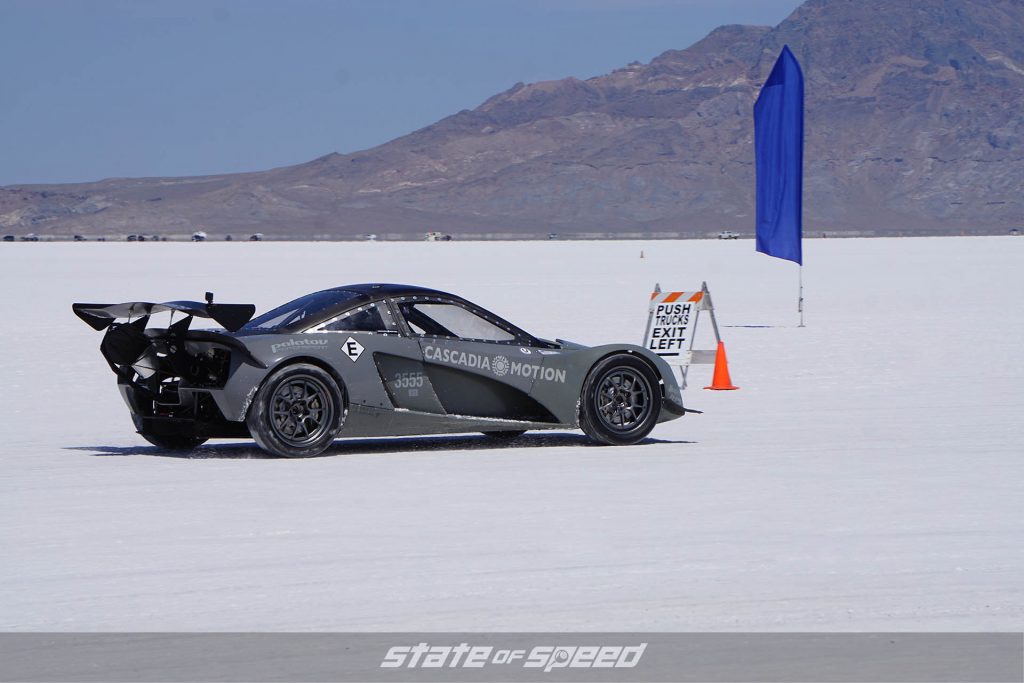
x=328 y=657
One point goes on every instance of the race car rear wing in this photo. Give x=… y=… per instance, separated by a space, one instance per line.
x=230 y=316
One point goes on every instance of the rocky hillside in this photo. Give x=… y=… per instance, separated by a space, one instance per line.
x=914 y=125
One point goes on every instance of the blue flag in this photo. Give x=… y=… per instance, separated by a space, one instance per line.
x=779 y=152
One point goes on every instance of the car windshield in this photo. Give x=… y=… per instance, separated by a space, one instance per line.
x=306 y=308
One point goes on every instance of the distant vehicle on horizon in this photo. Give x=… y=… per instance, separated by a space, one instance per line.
x=8 y=238
x=728 y=235
x=199 y=236
x=78 y=238
x=31 y=237
x=256 y=237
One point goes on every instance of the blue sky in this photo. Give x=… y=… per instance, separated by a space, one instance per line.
x=105 y=88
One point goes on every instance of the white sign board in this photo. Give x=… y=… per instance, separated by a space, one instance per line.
x=673 y=316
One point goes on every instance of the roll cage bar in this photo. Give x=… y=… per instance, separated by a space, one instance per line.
x=431 y=326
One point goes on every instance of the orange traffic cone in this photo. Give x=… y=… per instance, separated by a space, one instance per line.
x=721 y=380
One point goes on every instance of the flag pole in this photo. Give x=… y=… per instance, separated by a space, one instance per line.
x=778 y=162
x=800 y=298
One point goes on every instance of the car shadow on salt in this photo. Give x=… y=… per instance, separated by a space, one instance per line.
x=462 y=442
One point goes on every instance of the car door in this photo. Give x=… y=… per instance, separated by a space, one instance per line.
x=394 y=360
x=477 y=364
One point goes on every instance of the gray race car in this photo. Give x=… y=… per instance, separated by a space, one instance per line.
x=369 y=360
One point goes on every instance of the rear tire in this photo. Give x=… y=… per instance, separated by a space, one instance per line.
x=297 y=412
x=620 y=402
x=174 y=442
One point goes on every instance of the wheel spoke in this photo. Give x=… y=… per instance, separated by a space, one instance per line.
x=288 y=422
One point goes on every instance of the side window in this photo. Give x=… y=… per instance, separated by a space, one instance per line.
x=363 y=319
x=449 y=320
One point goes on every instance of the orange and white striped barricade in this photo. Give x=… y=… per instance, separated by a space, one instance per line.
x=672 y=325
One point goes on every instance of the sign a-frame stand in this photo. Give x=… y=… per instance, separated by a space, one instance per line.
x=672 y=327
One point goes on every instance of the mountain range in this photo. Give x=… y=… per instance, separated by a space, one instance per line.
x=914 y=126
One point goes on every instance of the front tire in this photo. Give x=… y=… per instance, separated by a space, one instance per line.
x=297 y=412
x=620 y=402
